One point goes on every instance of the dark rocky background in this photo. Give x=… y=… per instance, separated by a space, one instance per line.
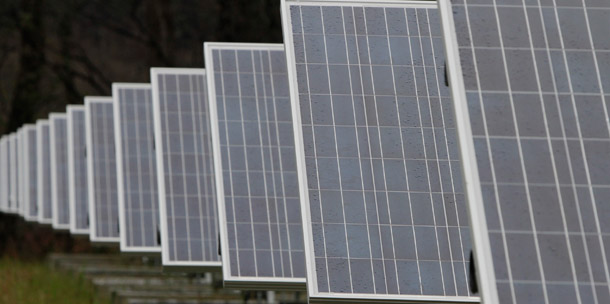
x=55 y=52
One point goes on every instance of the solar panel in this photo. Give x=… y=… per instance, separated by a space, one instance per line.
x=187 y=198
x=59 y=170
x=21 y=172
x=101 y=170
x=31 y=173
x=531 y=88
x=13 y=204
x=381 y=187
x=45 y=205
x=4 y=173
x=137 y=180
x=77 y=170
x=260 y=224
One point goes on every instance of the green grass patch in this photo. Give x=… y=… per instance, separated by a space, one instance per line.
x=35 y=282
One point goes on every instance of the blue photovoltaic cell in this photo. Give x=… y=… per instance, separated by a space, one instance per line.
x=137 y=172
x=532 y=81
x=385 y=212
x=187 y=197
x=101 y=170
x=45 y=206
x=261 y=232
x=59 y=171
x=77 y=174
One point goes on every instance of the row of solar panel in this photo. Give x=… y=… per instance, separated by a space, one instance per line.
x=358 y=159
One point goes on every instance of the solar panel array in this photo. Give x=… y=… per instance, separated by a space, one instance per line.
x=77 y=170
x=59 y=170
x=380 y=174
x=255 y=162
x=45 y=204
x=136 y=171
x=359 y=159
x=101 y=170
x=31 y=173
x=187 y=197
x=532 y=89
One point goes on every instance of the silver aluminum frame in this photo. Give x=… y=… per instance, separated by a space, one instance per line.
x=167 y=264
x=481 y=247
x=116 y=87
x=314 y=295
x=39 y=126
x=230 y=281
x=54 y=198
x=71 y=178
x=90 y=172
x=27 y=164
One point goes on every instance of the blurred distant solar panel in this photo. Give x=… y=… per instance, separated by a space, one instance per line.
x=59 y=170
x=101 y=170
x=255 y=165
x=531 y=82
x=136 y=170
x=13 y=204
x=45 y=205
x=381 y=187
x=187 y=198
x=22 y=170
x=31 y=173
x=77 y=170
x=4 y=173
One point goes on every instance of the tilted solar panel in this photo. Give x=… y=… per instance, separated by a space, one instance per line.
x=77 y=170
x=379 y=175
x=136 y=170
x=45 y=205
x=531 y=83
x=31 y=173
x=13 y=203
x=187 y=198
x=59 y=170
x=4 y=173
x=22 y=171
x=101 y=170
x=260 y=224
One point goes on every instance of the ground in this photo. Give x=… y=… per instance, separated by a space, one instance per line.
x=35 y=282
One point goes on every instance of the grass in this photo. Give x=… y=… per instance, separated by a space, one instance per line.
x=35 y=282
